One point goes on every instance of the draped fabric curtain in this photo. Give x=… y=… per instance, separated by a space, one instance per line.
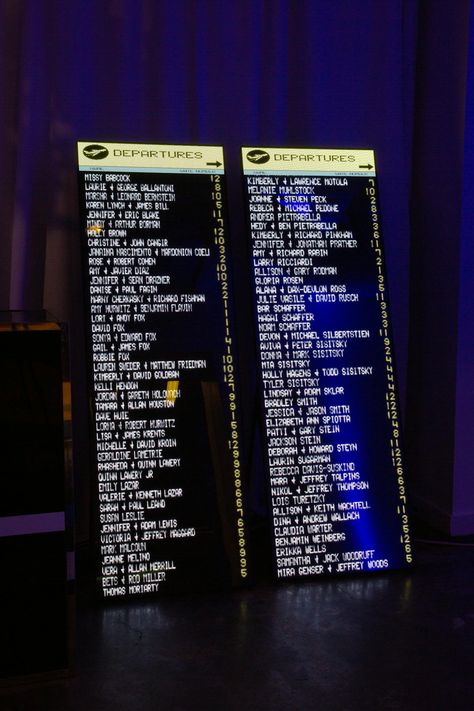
x=233 y=72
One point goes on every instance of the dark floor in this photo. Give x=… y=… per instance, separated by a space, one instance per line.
x=391 y=641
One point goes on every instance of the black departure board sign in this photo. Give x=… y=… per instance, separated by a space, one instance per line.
x=336 y=479
x=165 y=431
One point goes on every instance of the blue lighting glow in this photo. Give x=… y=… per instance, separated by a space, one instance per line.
x=329 y=402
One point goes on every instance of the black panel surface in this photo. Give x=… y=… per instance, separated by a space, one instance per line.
x=35 y=538
x=31 y=422
x=34 y=612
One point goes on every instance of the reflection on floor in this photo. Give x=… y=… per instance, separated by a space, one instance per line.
x=389 y=641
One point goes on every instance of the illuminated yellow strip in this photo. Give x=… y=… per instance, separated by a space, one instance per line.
x=172 y=387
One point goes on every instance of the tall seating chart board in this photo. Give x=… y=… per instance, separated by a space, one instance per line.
x=165 y=433
x=336 y=480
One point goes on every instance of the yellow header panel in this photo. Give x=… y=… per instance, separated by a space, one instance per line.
x=308 y=160
x=97 y=156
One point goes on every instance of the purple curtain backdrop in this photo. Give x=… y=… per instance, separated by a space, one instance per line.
x=231 y=72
